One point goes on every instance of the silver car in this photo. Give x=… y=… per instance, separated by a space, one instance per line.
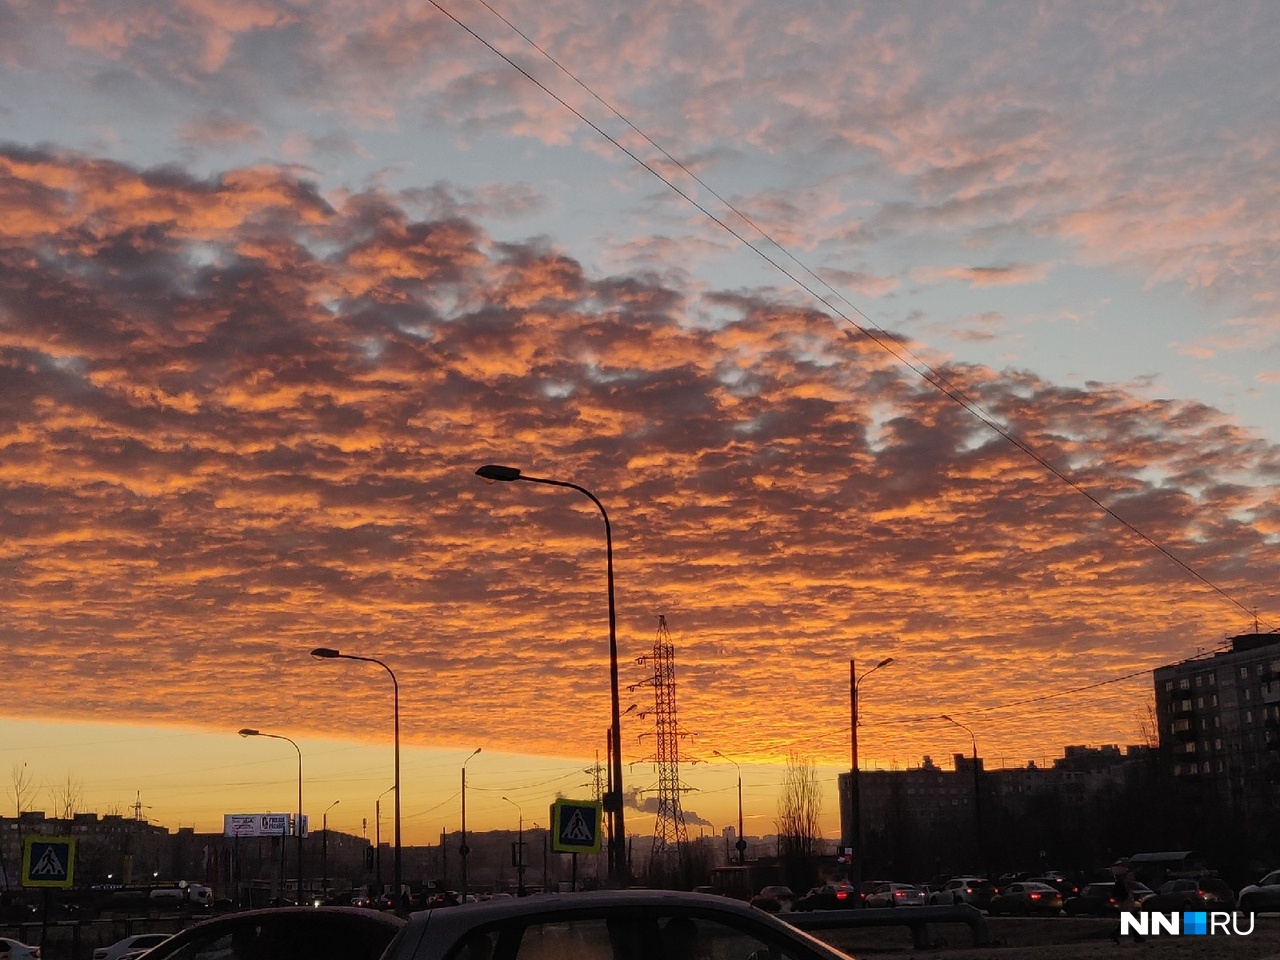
x=605 y=925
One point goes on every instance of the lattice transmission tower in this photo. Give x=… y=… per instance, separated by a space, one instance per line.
x=669 y=831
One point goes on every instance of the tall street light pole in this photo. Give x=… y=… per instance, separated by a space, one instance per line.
x=977 y=791
x=520 y=890
x=377 y=837
x=741 y=845
x=618 y=834
x=855 y=797
x=464 y=850
x=324 y=653
x=249 y=732
x=324 y=850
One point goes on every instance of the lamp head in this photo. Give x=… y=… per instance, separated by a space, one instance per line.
x=948 y=719
x=324 y=653
x=249 y=732
x=492 y=472
x=884 y=663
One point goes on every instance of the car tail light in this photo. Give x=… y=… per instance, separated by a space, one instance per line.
x=842 y=894
x=899 y=893
x=1035 y=896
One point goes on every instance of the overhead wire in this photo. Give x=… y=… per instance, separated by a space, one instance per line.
x=867 y=328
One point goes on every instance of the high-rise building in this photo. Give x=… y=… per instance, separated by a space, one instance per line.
x=1219 y=718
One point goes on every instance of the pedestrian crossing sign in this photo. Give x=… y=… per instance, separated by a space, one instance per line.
x=575 y=826
x=48 y=862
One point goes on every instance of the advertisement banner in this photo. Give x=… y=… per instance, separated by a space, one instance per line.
x=260 y=825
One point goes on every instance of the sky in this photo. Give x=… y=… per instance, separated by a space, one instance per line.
x=944 y=332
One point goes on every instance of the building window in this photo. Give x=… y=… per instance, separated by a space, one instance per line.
x=1184 y=683
x=1244 y=672
x=1200 y=680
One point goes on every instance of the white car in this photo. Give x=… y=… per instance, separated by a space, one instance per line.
x=593 y=924
x=974 y=891
x=137 y=943
x=17 y=950
x=1261 y=896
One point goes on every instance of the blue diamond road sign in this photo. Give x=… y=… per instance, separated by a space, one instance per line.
x=48 y=862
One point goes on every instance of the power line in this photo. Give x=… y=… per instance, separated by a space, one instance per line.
x=882 y=338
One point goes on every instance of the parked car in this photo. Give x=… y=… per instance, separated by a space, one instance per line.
x=594 y=924
x=896 y=895
x=1096 y=900
x=284 y=933
x=1190 y=893
x=833 y=896
x=134 y=944
x=775 y=898
x=17 y=950
x=1059 y=883
x=1263 y=895
x=975 y=891
x=1026 y=897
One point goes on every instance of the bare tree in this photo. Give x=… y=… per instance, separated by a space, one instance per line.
x=1148 y=726
x=68 y=798
x=20 y=788
x=799 y=806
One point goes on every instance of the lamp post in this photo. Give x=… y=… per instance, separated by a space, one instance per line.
x=464 y=850
x=324 y=653
x=618 y=836
x=324 y=850
x=520 y=890
x=855 y=797
x=249 y=732
x=977 y=794
x=741 y=845
x=377 y=837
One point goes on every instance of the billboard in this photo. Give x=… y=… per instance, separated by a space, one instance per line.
x=260 y=825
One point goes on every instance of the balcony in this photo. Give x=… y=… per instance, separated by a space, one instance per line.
x=1183 y=708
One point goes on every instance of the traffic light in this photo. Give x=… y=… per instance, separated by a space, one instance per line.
x=368 y=858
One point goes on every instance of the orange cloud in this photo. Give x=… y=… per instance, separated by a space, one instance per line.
x=241 y=419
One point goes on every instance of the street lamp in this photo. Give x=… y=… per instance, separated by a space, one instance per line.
x=977 y=808
x=377 y=838
x=324 y=653
x=249 y=732
x=741 y=845
x=324 y=849
x=520 y=890
x=618 y=837
x=464 y=849
x=855 y=797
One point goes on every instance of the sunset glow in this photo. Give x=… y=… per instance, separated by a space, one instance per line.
x=273 y=287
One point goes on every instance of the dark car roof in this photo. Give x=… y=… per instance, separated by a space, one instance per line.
x=293 y=933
